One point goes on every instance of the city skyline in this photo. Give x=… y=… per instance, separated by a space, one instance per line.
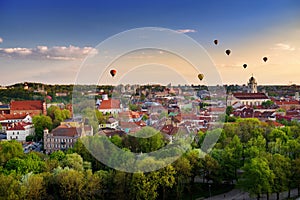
x=47 y=41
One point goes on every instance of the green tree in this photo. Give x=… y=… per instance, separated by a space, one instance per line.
x=51 y=110
x=101 y=118
x=167 y=179
x=73 y=161
x=40 y=123
x=116 y=140
x=229 y=110
x=249 y=128
x=71 y=184
x=257 y=177
x=149 y=139
x=296 y=174
x=231 y=158
x=144 y=187
x=57 y=155
x=195 y=164
x=10 y=188
x=267 y=104
x=66 y=114
x=92 y=186
x=35 y=186
x=183 y=169
x=277 y=133
x=281 y=168
x=31 y=163
x=18 y=165
x=211 y=169
x=9 y=150
x=134 y=107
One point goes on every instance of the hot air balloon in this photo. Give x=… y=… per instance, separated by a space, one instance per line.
x=200 y=76
x=113 y=72
x=244 y=65
x=228 y=52
x=216 y=42
x=265 y=59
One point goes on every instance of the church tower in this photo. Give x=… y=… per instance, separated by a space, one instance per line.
x=252 y=85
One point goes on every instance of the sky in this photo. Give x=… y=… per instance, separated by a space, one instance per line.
x=49 y=41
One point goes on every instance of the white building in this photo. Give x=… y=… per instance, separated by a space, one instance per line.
x=110 y=106
x=6 y=120
x=19 y=131
x=110 y=123
x=252 y=98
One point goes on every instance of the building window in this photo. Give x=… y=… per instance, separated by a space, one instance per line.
x=18 y=133
x=16 y=137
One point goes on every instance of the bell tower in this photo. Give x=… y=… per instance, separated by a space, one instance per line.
x=252 y=85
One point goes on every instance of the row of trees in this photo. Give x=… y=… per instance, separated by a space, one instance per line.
x=258 y=157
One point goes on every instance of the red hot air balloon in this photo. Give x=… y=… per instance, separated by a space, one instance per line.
x=216 y=42
x=228 y=52
x=113 y=72
x=265 y=59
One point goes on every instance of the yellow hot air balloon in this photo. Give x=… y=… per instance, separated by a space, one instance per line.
x=200 y=76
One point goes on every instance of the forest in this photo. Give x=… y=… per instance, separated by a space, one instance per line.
x=254 y=156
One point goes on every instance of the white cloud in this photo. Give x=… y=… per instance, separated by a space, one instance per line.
x=1 y=39
x=186 y=31
x=18 y=50
x=42 y=48
x=285 y=47
x=50 y=53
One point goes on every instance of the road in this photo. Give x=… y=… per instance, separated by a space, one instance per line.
x=236 y=194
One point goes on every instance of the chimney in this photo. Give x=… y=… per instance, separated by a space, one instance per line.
x=46 y=131
x=104 y=97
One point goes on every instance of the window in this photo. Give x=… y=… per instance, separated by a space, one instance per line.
x=16 y=137
x=18 y=133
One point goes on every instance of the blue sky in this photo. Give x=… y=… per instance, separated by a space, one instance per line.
x=253 y=28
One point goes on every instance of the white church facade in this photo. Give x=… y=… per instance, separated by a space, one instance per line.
x=251 y=98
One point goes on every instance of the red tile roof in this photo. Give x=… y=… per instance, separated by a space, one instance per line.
x=169 y=129
x=134 y=114
x=12 y=116
x=141 y=123
x=250 y=95
x=110 y=104
x=216 y=109
x=66 y=131
x=290 y=102
x=274 y=123
x=18 y=126
x=26 y=105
